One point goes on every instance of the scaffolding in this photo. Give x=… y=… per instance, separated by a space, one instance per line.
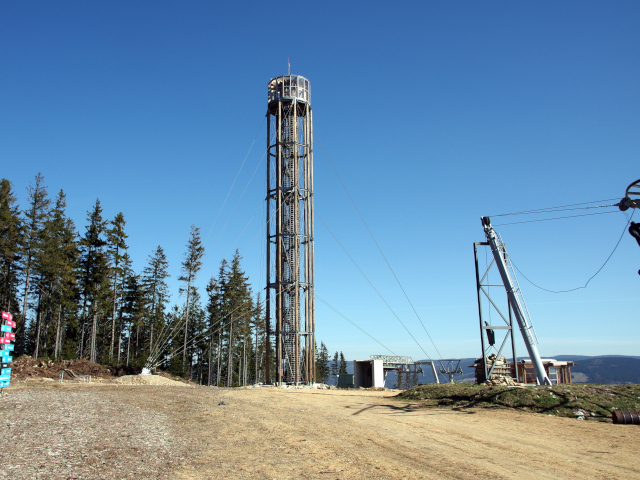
x=290 y=277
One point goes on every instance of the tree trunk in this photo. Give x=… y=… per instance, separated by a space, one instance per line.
x=23 y=332
x=103 y=339
x=210 y=348
x=128 y=343
x=47 y=323
x=35 y=354
x=241 y=370
x=244 y=364
x=84 y=323
x=119 y=335
x=113 y=312
x=230 y=357
x=136 y=353
x=94 y=332
x=186 y=325
x=153 y=317
x=218 y=351
x=56 y=348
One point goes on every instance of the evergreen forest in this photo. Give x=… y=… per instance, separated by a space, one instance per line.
x=74 y=295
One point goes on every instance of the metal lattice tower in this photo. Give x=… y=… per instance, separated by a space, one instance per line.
x=290 y=299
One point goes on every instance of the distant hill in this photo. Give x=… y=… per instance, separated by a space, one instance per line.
x=586 y=357
x=604 y=369
x=607 y=370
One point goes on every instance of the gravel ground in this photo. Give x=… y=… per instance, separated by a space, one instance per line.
x=102 y=430
x=149 y=380
x=85 y=432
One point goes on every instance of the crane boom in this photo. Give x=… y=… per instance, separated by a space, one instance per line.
x=515 y=299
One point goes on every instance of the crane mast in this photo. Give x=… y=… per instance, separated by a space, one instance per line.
x=515 y=299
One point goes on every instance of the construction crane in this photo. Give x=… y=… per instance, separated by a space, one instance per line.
x=516 y=299
x=632 y=200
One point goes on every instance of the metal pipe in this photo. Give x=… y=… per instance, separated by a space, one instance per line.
x=497 y=249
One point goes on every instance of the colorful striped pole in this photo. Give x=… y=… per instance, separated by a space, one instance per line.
x=6 y=347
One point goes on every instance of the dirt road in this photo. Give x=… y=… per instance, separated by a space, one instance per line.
x=143 y=431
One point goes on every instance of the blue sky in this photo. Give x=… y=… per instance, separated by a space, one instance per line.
x=434 y=114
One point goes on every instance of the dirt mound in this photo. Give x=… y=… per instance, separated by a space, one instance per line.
x=26 y=367
x=149 y=380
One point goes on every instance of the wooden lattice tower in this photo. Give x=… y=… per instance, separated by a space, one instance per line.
x=290 y=299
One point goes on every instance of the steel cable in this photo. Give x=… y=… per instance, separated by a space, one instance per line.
x=592 y=276
x=379 y=249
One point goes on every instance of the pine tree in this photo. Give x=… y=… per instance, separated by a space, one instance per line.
x=190 y=268
x=335 y=366
x=132 y=314
x=197 y=329
x=94 y=276
x=35 y=215
x=343 y=365
x=238 y=310
x=116 y=246
x=217 y=311
x=260 y=346
x=322 y=363
x=157 y=292
x=10 y=243
x=56 y=265
x=216 y=322
x=126 y=271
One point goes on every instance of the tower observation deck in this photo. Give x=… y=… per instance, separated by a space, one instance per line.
x=289 y=296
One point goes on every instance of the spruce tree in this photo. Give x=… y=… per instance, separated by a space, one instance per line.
x=116 y=246
x=154 y=278
x=260 y=346
x=35 y=215
x=11 y=232
x=197 y=343
x=237 y=297
x=217 y=321
x=190 y=268
x=126 y=270
x=218 y=317
x=56 y=265
x=343 y=365
x=335 y=366
x=322 y=363
x=94 y=280
x=132 y=317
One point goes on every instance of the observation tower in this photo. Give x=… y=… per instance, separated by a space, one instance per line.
x=290 y=299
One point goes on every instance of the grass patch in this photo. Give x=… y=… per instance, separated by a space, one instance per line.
x=597 y=401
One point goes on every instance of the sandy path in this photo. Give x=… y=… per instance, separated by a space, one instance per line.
x=338 y=434
x=109 y=431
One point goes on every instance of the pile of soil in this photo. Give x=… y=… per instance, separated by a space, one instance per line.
x=26 y=367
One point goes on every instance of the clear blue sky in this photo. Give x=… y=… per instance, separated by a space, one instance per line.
x=434 y=113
